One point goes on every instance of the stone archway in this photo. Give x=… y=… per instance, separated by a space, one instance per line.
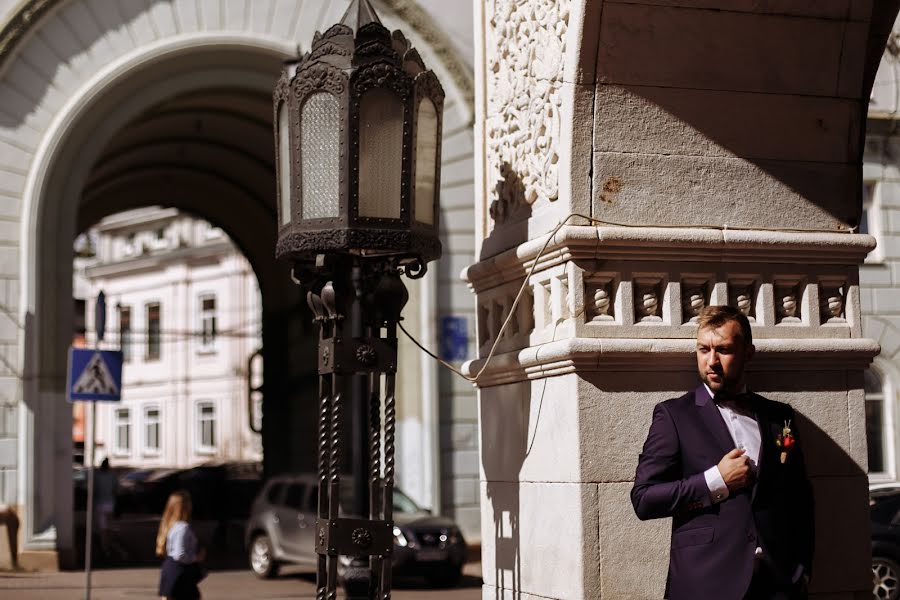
x=85 y=73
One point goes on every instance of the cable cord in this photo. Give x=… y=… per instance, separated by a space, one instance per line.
x=536 y=260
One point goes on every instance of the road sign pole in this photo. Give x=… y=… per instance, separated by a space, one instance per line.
x=89 y=525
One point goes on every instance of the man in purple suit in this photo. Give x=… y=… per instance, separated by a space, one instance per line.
x=726 y=465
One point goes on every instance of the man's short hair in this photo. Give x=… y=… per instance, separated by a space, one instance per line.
x=715 y=316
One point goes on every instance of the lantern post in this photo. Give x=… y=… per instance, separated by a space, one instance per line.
x=358 y=137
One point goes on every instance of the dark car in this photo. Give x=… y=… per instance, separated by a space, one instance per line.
x=282 y=522
x=884 y=510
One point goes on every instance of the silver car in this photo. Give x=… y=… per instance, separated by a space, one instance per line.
x=281 y=529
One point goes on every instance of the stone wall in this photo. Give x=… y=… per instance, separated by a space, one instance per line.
x=713 y=157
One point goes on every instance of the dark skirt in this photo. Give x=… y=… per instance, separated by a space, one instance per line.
x=179 y=580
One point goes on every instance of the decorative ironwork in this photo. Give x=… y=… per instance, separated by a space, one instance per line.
x=350 y=261
x=351 y=59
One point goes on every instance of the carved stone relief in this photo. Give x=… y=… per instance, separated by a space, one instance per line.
x=694 y=297
x=787 y=302
x=832 y=295
x=525 y=48
x=601 y=306
x=648 y=301
x=741 y=294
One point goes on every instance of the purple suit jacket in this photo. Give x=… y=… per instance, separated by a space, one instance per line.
x=713 y=545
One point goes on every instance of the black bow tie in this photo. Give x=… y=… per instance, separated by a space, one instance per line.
x=742 y=402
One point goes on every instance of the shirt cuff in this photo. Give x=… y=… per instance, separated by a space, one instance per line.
x=718 y=491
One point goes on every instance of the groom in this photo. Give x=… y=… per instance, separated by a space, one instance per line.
x=726 y=465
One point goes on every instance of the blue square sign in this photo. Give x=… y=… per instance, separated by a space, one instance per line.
x=454 y=338
x=94 y=375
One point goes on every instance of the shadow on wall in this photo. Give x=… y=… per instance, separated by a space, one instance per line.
x=505 y=440
x=64 y=46
x=674 y=117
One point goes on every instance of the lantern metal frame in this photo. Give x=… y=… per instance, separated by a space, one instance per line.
x=347 y=64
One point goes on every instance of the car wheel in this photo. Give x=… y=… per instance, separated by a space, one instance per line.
x=445 y=577
x=886 y=578
x=261 y=561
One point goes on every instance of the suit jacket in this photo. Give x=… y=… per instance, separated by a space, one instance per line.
x=713 y=545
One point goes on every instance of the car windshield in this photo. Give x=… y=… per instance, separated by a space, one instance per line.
x=404 y=504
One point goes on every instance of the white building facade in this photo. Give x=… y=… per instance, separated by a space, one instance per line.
x=184 y=307
x=880 y=275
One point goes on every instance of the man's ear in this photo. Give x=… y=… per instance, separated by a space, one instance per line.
x=751 y=350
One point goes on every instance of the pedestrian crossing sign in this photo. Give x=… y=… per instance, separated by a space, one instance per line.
x=94 y=375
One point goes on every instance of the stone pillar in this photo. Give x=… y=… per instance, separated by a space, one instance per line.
x=713 y=155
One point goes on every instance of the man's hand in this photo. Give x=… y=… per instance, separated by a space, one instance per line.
x=735 y=469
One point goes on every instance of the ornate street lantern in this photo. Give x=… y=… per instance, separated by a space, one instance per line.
x=358 y=136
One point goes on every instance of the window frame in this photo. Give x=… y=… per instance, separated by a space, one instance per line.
x=147 y=449
x=889 y=412
x=199 y=445
x=205 y=346
x=117 y=422
x=148 y=356
x=126 y=344
x=872 y=213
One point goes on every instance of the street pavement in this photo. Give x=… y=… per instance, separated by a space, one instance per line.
x=140 y=584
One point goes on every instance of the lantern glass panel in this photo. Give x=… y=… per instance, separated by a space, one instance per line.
x=320 y=147
x=284 y=162
x=426 y=157
x=380 y=154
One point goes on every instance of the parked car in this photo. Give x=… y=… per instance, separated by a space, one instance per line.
x=281 y=529
x=884 y=512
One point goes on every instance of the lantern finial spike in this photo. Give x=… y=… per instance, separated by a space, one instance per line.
x=359 y=13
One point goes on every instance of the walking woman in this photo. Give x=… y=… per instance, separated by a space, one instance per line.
x=176 y=541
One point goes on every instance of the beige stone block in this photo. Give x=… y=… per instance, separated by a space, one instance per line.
x=634 y=554
x=574 y=146
x=529 y=431
x=842 y=559
x=833 y=9
x=653 y=120
x=721 y=191
x=162 y=16
x=823 y=419
x=186 y=14
x=679 y=47
x=615 y=418
x=541 y=538
x=853 y=59
x=856 y=409
x=490 y=592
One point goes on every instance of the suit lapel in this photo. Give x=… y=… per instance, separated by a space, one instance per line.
x=766 y=439
x=712 y=418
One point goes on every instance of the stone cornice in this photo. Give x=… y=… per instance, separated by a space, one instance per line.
x=157 y=260
x=582 y=355
x=591 y=243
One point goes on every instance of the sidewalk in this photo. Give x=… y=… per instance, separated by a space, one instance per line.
x=140 y=584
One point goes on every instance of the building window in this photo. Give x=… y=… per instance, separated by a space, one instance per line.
x=125 y=332
x=870 y=220
x=875 y=422
x=151 y=429
x=123 y=431
x=207 y=321
x=153 y=331
x=206 y=427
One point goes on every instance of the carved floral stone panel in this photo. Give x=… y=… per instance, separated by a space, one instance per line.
x=524 y=52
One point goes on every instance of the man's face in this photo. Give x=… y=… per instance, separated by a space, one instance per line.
x=722 y=355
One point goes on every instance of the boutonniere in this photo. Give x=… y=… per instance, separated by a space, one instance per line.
x=785 y=440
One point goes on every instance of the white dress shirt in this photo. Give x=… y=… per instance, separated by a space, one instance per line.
x=745 y=433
